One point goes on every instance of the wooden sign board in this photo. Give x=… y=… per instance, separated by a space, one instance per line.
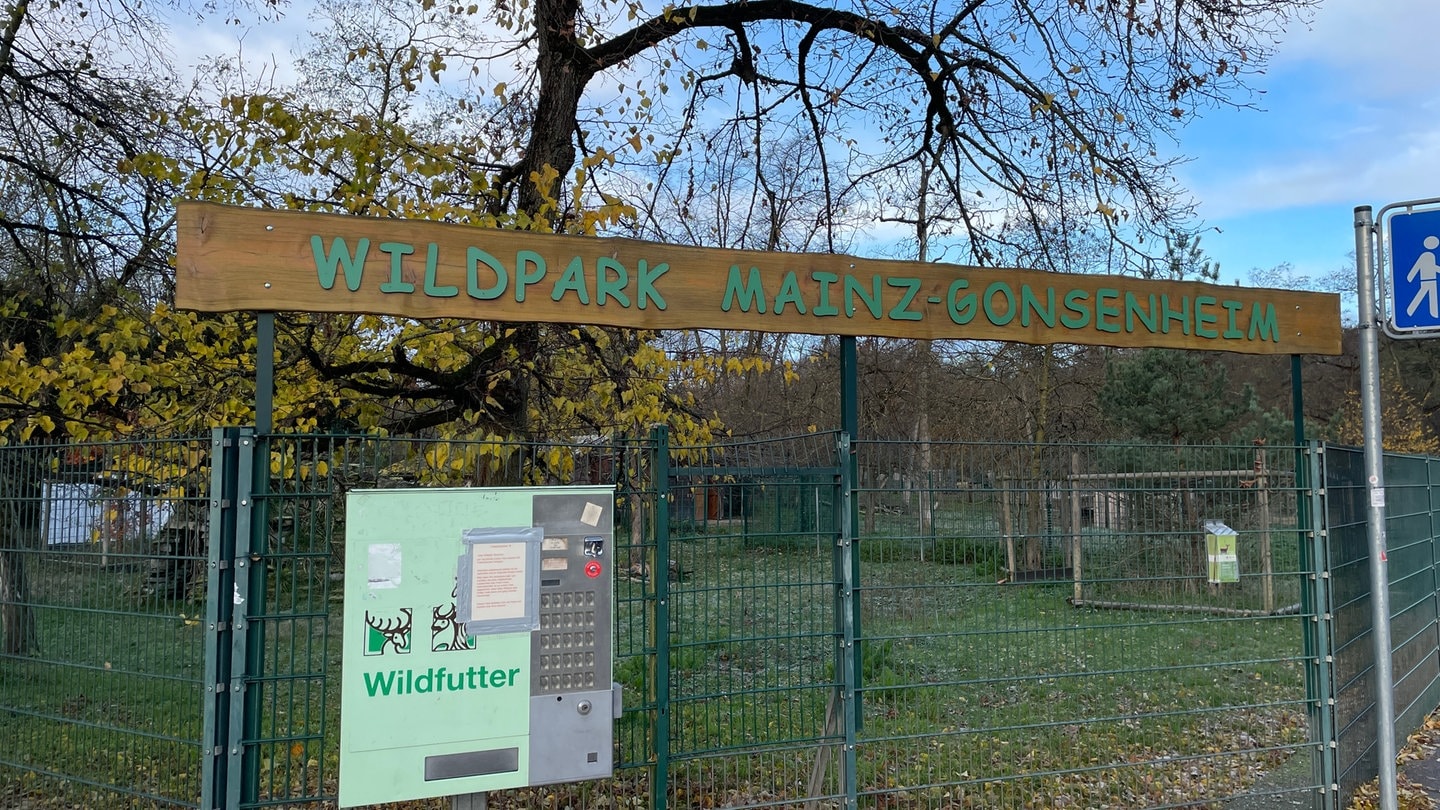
x=231 y=259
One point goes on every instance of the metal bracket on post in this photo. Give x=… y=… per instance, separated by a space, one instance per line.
x=849 y=641
x=1319 y=631
x=659 y=575
x=218 y=618
x=241 y=649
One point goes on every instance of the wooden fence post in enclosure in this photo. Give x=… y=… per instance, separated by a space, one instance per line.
x=1267 y=565
x=1035 y=522
x=635 y=544
x=1075 y=526
x=1007 y=525
x=926 y=483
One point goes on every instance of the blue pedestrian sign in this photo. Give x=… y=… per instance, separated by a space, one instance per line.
x=1415 y=270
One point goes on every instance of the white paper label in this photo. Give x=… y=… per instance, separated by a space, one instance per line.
x=592 y=514
x=384 y=566
x=497 y=590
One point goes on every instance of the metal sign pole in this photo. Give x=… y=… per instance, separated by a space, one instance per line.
x=1370 y=325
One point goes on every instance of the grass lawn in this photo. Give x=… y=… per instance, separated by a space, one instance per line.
x=975 y=694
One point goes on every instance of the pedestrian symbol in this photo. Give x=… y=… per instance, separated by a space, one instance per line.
x=1426 y=269
x=1415 y=270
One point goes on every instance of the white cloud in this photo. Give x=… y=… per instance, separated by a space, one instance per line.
x=1394 y=160
x=1384 y=47
x=1353 y=117
x=264 y=47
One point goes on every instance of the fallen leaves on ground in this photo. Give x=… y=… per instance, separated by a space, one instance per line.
x=1411 y=796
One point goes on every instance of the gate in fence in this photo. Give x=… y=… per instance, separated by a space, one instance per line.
x=998 y=626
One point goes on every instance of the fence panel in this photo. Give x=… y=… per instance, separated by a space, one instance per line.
x=102 y=645
x=1411 y=504
x=1346 y=512
x=291 y=734
x=290 y=608
x=1036 y=624
x=1039 y=628
x=1414 y=632
x=755 y=705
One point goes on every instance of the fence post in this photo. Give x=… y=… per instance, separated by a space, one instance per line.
x=849 y=663
x=219 y=622
x=227 y=647
x=1315 y=607
x=660 y=576
x=242 y=781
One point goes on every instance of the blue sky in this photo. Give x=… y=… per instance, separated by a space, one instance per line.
x=1350 y=116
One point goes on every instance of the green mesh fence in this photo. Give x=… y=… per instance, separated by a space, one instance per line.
x=293 y=730
x=753 y=574
x=1040 y=628
x=1412 y=534
x=102 y=644
x=1002 y=626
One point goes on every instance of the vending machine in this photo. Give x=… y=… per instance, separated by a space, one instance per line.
x=477 y=651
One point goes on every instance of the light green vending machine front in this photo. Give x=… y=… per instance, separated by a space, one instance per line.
x=477 y=646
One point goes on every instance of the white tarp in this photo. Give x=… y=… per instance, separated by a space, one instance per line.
x=88 y=513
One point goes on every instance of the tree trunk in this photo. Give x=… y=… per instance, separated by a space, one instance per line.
x=922 y=359
x=19 y=532
x=17 y=617
x=1034 y=531
x=563 y=77
x=1035 y=538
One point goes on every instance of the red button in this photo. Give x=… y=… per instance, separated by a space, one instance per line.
x=592 y=569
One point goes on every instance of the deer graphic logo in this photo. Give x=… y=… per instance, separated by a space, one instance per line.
x=446 y=631
x=388 y=633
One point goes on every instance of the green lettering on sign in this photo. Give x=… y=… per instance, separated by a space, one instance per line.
x=1077 y=310
x=474 y=257
x=233 y=259
x=397 y=283
x=606 y=287
x=572 y=280
x=901 y=311
x=1147 y=316
x=748 y=292
x=789 y=294
x=1180 y=316
x=1205 y=318
x=524 y=278
x=645 y=283
x=400 y=682
x=1003 y=289
x=432 y=285
x=1030 y=304
x=1104 y=312
x=327 y=263
x=1232 y=309
x=1263 y=325
x=853 y=290
x=961 y=307
x=825 y=308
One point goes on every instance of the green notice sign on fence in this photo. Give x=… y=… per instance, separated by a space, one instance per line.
x=452 y=600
